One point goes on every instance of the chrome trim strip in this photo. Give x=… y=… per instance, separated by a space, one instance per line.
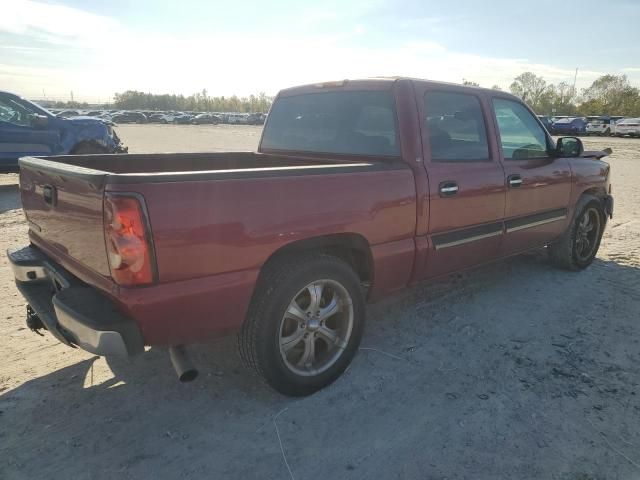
x=468 y=240
x=536 y=224
x=449 y=189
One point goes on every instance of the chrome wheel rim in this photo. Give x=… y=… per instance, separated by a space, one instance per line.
x=316 y=327
x=587 y=234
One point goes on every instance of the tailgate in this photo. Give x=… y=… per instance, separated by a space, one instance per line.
x=63 y=205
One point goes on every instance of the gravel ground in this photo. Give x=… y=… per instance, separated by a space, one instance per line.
x=514 y=371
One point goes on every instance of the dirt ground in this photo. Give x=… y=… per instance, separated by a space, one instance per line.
x=513 y=371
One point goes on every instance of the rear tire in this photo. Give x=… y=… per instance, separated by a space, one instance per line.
x=304 y=324
x=579 y=245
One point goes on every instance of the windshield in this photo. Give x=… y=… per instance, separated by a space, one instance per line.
x=346 y=122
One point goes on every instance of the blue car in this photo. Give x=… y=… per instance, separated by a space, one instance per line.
x=28 y=129
x=569 y=126
x=546 y=121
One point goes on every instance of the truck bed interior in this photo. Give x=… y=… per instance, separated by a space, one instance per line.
x=187 y=162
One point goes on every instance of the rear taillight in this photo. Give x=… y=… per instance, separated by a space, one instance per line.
x=128 y=240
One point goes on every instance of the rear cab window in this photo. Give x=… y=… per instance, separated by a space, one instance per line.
x=455 y=127
x=347 y=122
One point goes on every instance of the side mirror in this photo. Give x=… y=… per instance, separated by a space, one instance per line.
x=568 y=147
x=39 y=121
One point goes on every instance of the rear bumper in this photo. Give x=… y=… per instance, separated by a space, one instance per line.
x=73 y=312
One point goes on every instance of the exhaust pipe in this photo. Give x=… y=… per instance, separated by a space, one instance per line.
x=182 y=364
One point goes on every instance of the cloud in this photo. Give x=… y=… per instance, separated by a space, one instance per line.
x=51 y=23
x=631 y=69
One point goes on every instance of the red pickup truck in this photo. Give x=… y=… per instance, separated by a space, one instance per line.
x=358 y=189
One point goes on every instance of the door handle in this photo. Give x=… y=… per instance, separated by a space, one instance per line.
x=49 y=195
x=514 y=180
x=448 y=188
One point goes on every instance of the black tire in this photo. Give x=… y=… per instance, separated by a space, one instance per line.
x=569 y=252
x=259 y=340
x=88 y=148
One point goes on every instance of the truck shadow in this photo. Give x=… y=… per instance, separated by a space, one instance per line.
x=451 y=349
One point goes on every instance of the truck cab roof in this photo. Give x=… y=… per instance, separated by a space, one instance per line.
x=383 y=83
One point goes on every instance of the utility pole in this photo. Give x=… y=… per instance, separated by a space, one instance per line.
x=575 y=77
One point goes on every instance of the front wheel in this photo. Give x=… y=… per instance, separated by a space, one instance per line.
x=579 y=245
x=304 y=324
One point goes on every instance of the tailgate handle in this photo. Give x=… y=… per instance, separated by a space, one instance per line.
x=49 y=194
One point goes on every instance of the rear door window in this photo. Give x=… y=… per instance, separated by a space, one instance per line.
x=455 y=127
x=347 y=122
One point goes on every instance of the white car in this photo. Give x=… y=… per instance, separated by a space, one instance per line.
x=601 y=126
x=628 y=126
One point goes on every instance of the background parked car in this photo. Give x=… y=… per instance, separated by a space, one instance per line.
x=546 y=121
x=237 y=118
x=255 y=119
x=129 y=117
x=182 y=119
x=600 y=126
x=157 y=118
x=28 y=129
x=569 y=126
x=68 y=113
x=205 y=118
x=628 y=126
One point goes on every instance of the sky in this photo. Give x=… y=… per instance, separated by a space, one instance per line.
x=94 y=49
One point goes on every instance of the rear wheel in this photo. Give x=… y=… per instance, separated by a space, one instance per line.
x=304 y=324
x=579 y=245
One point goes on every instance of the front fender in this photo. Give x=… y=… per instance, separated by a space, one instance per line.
x=97 y=133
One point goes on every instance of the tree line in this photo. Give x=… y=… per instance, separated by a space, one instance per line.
x=607 y=95
x=198 y=102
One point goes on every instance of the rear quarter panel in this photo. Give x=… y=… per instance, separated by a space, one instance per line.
x=203 y=228
x=212 y=237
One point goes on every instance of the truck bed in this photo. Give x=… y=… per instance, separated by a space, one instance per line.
x=215 y=218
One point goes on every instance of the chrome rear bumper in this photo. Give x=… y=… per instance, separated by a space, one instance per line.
x=73 y=312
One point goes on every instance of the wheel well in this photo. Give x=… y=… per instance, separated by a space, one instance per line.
x=598 y=192
x=88 y=143
x=352 y=248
